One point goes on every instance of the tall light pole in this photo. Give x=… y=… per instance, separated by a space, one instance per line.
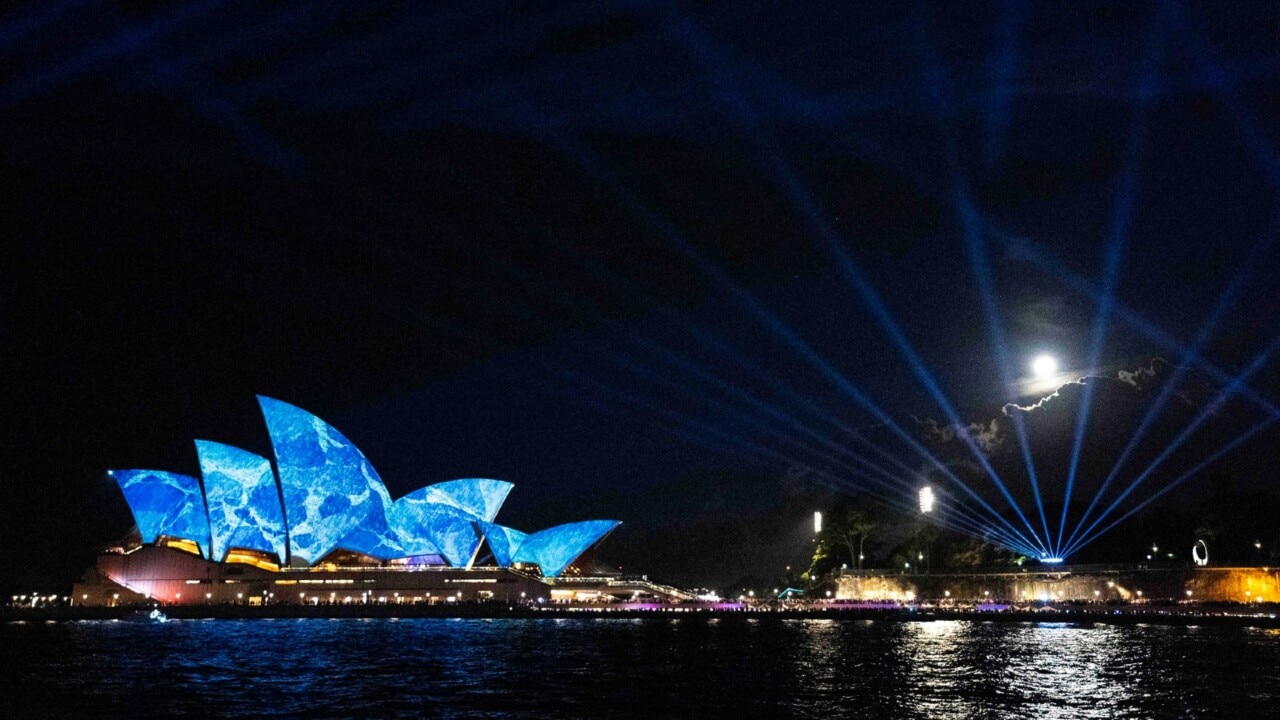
x=927 y=500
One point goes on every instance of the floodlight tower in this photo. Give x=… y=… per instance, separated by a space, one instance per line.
x=927 y=499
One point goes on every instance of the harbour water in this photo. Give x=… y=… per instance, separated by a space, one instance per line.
x=650 y=667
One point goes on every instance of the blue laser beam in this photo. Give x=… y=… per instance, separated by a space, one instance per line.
x=767 y=429
x=1237 y=442
x=704 y=376
x=770 y=321
x=1024 y=250
x=687 y=429
x=1254 y=137
x=985 y=533
x=1117 y=241
x=575 y=305
x=708 y=338
x=816 y=219
x=1207 y=413
x=1224 y=302
x=1003 y=67
x=197 y=59
x=971 y=224
x=38 y=16
x=689 y=367
x=957 y=521
x=986 y=287
x=963 y=519
x=113 y=49
x=975 y=247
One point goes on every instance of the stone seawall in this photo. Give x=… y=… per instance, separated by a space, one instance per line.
x=1067 y=584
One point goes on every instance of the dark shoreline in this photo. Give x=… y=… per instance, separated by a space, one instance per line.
x=1156 y=615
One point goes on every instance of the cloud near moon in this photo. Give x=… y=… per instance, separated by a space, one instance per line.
x=1120 y=401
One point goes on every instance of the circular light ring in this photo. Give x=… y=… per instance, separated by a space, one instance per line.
x=1200 y=553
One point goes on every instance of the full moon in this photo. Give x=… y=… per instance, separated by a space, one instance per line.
x=1044 y=366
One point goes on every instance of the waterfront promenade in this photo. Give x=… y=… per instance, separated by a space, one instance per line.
x=1238 y=615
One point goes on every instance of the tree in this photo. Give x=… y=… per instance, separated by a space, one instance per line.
x=926 y=534
x=860 y=524
x=850 y=530
x=968 y=553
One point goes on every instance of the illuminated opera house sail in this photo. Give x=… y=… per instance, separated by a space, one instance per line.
x=323 y=509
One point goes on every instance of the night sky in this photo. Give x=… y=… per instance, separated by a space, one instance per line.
x=648 y=261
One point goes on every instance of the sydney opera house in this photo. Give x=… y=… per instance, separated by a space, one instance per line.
x=320 y=527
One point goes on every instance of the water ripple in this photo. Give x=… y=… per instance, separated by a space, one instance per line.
x=595 y=667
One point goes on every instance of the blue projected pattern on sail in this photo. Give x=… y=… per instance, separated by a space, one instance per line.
x=165 y=503
x=479 y=497
x=381 y=541
x=334 y=499
x=244 y=504
x=503 y=542
x=555 y=548
x=330 y=490
x=427 y=527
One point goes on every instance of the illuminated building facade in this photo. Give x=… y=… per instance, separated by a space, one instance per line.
x=323 y=517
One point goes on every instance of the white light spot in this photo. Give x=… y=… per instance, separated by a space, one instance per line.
x=927 y=499
x=1044 y=366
